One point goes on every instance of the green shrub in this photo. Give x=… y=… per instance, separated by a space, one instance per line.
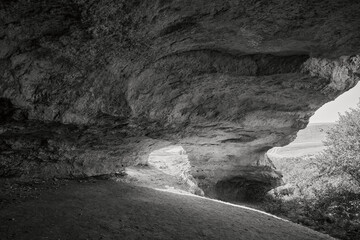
x=342 y=155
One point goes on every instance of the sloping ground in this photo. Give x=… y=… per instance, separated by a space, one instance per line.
x=99 y=209
x=296 y=150
x=314 y=132
x=309 y=141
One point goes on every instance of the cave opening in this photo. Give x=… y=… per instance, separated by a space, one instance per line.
x=171 y=160
x=299 y=158
x=315 y=165
x=309 y=141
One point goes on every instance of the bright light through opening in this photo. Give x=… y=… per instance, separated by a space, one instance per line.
x=330 y=111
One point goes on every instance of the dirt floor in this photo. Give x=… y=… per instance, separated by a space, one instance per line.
x=114 y=209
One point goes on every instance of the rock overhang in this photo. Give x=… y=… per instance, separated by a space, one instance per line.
x=225 y=79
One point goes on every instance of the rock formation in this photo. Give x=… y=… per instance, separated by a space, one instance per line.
x=90 y=87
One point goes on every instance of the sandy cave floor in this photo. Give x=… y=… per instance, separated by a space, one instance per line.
x=121 y=209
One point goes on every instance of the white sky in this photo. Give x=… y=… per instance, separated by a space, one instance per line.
x=329 y=111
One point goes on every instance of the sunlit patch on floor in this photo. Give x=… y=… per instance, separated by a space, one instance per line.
x=167 y=168
x=172 y=160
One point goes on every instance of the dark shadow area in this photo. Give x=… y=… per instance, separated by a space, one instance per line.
x=242 y=190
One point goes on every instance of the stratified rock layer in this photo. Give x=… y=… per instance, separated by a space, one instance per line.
x=90 y=87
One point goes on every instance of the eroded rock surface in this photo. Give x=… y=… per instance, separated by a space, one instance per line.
x=90 y=87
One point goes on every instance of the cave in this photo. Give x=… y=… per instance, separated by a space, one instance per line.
x=91 y=88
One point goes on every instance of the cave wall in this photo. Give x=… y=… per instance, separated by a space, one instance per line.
x=90 y=87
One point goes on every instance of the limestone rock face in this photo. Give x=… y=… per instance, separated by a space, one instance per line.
x=90 y=87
